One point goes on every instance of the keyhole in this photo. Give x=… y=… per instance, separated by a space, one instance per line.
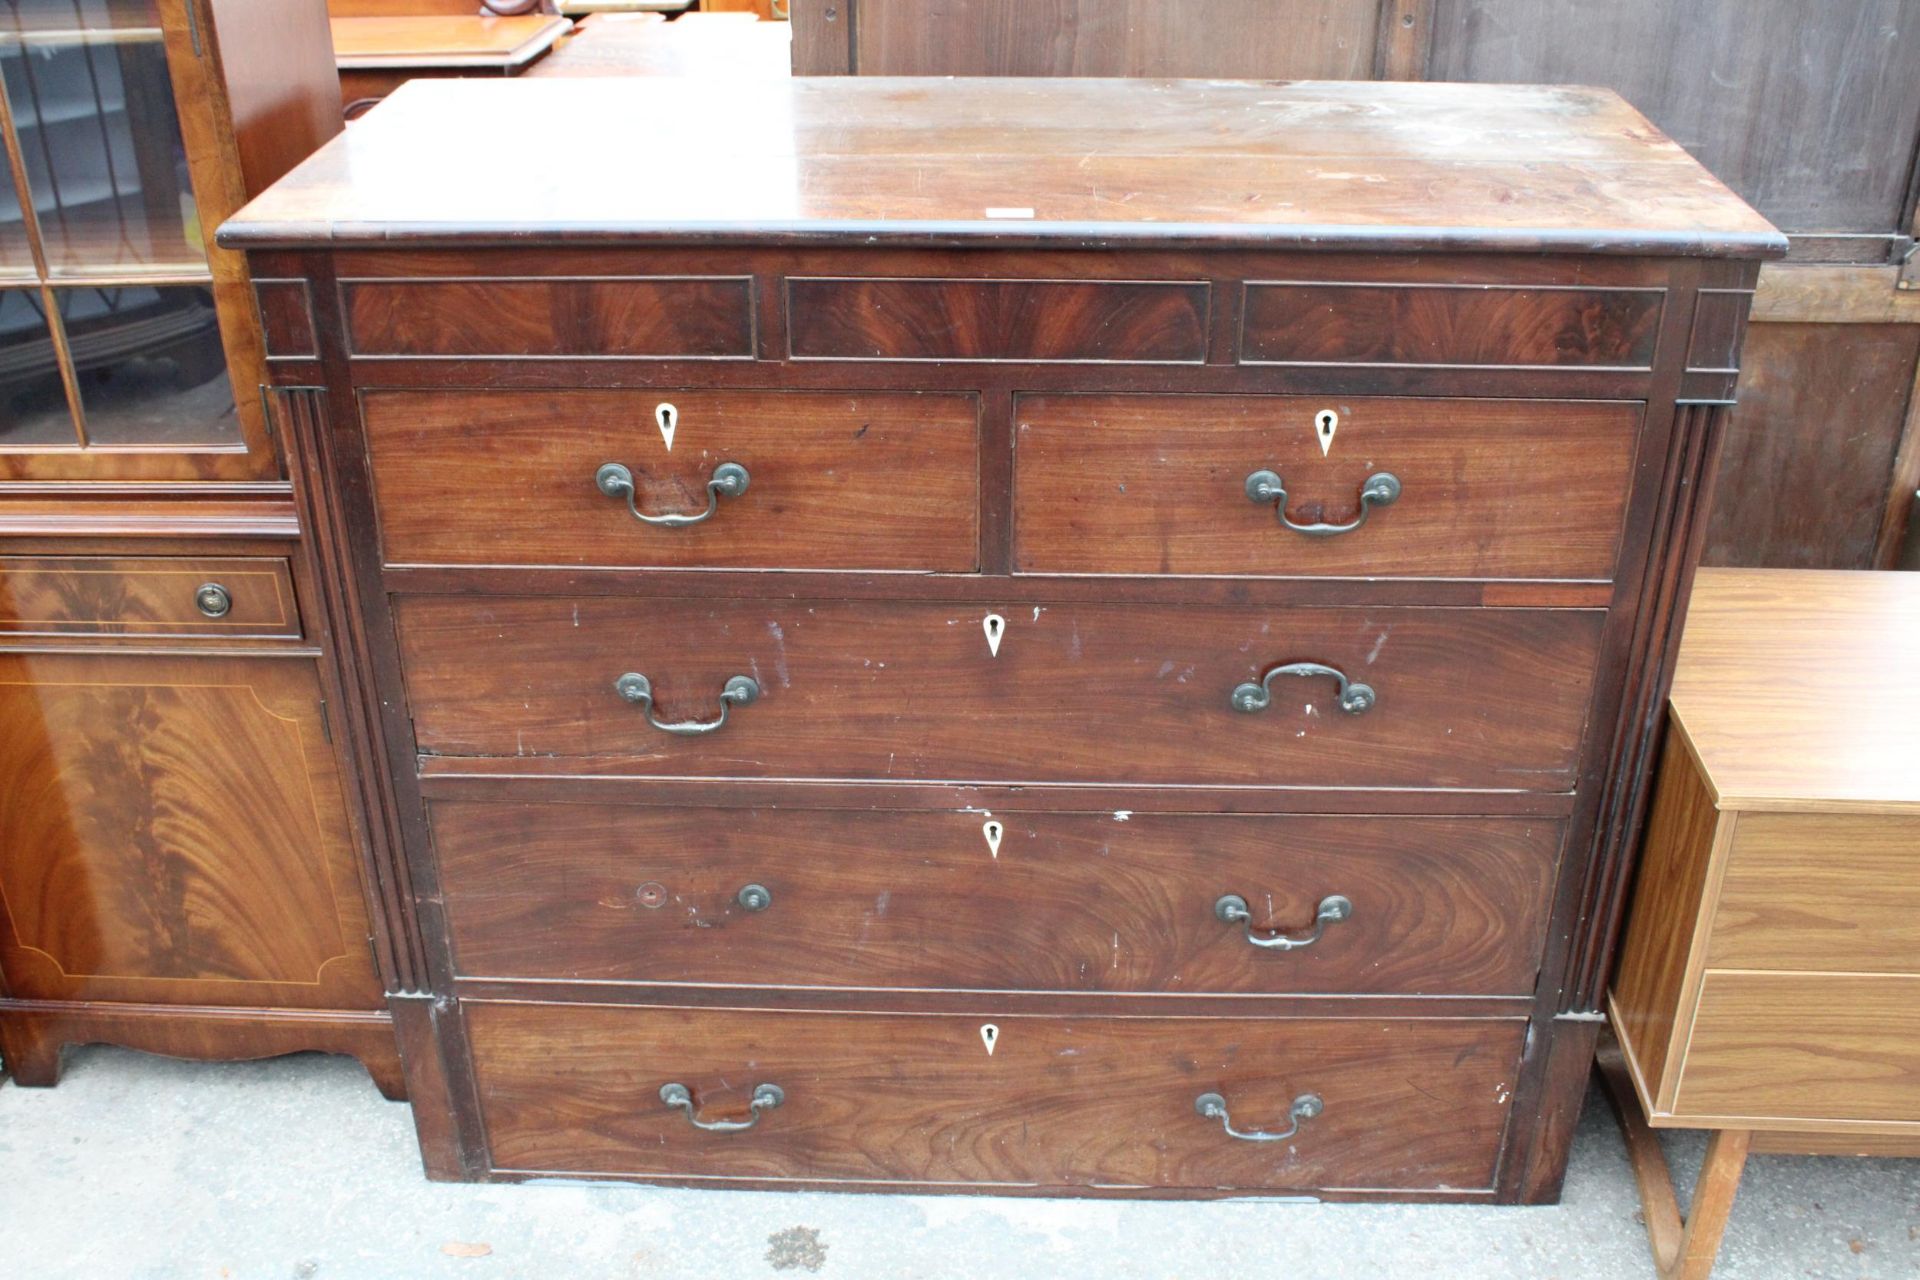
x=995 y=626
x=1325 y=423
x=993 y=831
x=668 y=419
x=989 y=1036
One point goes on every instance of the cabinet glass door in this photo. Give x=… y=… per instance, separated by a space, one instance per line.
x=112 y=359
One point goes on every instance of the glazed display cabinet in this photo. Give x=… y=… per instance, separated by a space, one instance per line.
x=180 y=864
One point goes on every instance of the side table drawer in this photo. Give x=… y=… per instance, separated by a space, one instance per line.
x=227 y=596
x=1799 y=1046
x=803 y=480
x=1060 y=1102
x=1079 y=902
x=1371 y=487
x=1820 y=891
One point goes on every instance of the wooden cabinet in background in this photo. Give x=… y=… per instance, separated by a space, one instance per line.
x=180 y=856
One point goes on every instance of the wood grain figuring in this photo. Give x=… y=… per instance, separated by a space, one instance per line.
x=144 y=596
x=1650 y=990
x=1158 y=322
x=1321 y=165
x=698 y=318
x=286 y=318
x=175 y=833
x=1288 y=323
x=1137 y=484
x=1786 y=1046
x=1489 y=698
x=837 y=481
x=1061 y=1102
x=1765 y=649
x=1067 y=902
x=1826 y=891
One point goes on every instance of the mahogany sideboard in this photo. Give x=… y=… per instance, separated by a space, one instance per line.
x=1063 y=637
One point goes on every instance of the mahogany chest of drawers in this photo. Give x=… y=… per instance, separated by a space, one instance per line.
x=1080 y=637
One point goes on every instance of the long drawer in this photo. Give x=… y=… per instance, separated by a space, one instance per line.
x=848 y=689
x=1017 y=1101
x=819 y=480
x=1080 y=902
x=1367 y=487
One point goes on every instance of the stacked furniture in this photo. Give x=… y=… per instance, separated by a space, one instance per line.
x=1090 y=637
x=180 y=858
x=1769 y=982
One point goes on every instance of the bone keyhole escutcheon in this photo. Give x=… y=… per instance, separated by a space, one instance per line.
x=996 y=628
x=668 y=419
x=1325 y=423
x=993 y=831
x=989 y=1036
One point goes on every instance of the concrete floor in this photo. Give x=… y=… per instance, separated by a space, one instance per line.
x=139 y=1167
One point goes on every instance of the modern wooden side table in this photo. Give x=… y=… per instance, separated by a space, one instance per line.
x=1769 y=982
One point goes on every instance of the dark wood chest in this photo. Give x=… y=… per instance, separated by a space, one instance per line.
x=1068 y=637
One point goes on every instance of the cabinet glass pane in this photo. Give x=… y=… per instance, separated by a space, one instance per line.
x=33 y=399
x=150 y=364
x=16 y=253
x=106 y=169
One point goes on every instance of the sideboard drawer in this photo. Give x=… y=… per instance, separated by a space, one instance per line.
x=228 y=596
x=698 y=317
x=960 y=900
x=1474 y=325
x=832 y=480
x=1077 y=692
x=1371 y=487
x=1069 y=1102
x=1820 y=891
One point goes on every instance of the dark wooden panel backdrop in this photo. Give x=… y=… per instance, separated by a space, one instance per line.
x=1812 y=112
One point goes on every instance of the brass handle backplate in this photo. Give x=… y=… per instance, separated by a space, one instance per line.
x=1214 y=1107
x=729 y=480
x=765 y=1098
x=1231 y=908
x=1353 y=696
x=1380 y=490
x=739 y=691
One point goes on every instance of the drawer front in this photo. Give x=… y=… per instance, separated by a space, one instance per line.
x=1048 y=321
x=1477 y=488
x=1804 y=1046
x=1823 y=891
x=233 y=596
x=1080 y=1102
x=1482 y=325
x=1095 y=693
x=1039 y=902
x=833 y=481
x=660 y=317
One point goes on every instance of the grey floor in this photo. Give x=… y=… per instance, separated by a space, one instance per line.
x=142 y=1167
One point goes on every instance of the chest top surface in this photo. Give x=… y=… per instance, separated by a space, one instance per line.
x=1081 y=162
x=1803 y=686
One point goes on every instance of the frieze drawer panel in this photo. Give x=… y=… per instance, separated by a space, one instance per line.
x=235 y=597
x=678 y=478
x=1079 y=636
x=1058 y=1102
x=1095 y=902
x=1391 y=697
x=1333 y=485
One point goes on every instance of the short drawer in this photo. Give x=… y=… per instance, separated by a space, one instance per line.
x=1470 y=325
x=1359 y=487
x=1041 y=321
x=1820 y=891
x=1058 y=1102
x=686 y=317
x=825 y=480
x=229 y=596
x=1076 y=692
x=1805 y=1047
x=1080 y=902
